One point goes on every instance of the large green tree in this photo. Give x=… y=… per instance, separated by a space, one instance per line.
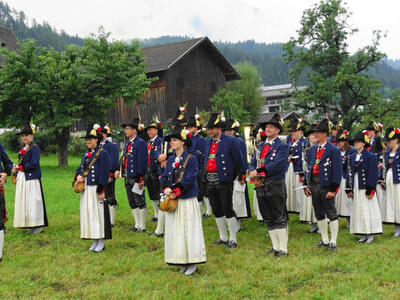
x=241 y=99
x=57 y=89
x=338 y=82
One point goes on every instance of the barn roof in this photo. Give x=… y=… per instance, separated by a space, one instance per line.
x=163 y=57
x=7 y=39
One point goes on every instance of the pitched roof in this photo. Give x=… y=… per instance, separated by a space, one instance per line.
x=163 y=57
x=7 y=39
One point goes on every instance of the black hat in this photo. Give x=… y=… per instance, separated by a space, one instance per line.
x=103 y=128
x=231 y=124
x=323 y=126
x=155 y=123
x=182 y=134
x=275 y=120
x=135 y=123
x=216 y=120
x=310 y=130
x=362 y=136
x=379 y=127
x=372 y=126
x=342 y=136
x=297 y=124
x=392 y=133
x=180 y=116
x=194 y=121
x=27 y=129
x=93 y=132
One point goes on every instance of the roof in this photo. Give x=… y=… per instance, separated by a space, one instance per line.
x=279 y=90
x=163 y=57
x=7 y=39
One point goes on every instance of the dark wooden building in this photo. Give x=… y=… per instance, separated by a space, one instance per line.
x=188 y=72
x=7 y=39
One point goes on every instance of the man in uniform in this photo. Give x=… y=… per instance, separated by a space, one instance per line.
x=134 y=166
x=323 y=180
x=269 y=181
x=223 y=162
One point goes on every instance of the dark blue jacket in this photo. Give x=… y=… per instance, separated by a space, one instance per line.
x=243 y=151
x=296 y=152
x=137 y=158
x=330 y=167
x=198 y=148
x=395 y=165
x=346 y=161
x=31 y=163
x=275 y=163
x=229 y=158
x=100 y=172
x=154 y=153
x=188 y=183
x=113 y=152
x=6 y=164
x=366 y=169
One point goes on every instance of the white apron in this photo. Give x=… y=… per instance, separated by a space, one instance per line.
x=184 y=238
x=366 y=216
x=29 y=203
x=307 y=210
x=92 y=214
x=291 y=201
x=239 y=200
x=392 y=202
x=256 y=209
x=343 y=203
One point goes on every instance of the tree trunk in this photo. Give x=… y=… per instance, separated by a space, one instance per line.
x=62 y=138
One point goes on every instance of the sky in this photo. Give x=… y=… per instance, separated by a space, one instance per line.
x=266 y=21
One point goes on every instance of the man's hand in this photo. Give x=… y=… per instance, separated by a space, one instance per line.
x=163 y=164
x=350 y=195
x=117 y=174
x=167 y=191
x=141 y=184
x=330 y=195
x=242 y=182
x=253 y=174
x=307 y=191
x=162 y=157
x=382 y=184
x=101 y=196
x=258 y=182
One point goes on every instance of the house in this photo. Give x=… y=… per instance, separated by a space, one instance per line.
x=7 y=39
x=189 y=72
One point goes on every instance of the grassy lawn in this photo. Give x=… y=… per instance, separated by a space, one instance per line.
x=57 y=264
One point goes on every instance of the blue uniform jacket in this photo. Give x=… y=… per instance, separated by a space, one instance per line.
x=395 y=165
x=330 y=167
x=137 y=158
x=31 y=163
x=243 y=151
x=198 y=148
x=188 y=184
x=113 y=152
x=6 y=164
x=154 y=154
x=100 y=172
x=346 y=161
x=296 y=150
x=228 y=157
x=275 y=163
x=367 y=171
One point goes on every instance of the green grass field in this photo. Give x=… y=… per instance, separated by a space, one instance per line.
x=57 y=264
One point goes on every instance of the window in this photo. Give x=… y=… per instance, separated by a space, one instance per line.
x=274 y=108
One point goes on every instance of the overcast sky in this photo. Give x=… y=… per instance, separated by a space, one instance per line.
x=227 y=20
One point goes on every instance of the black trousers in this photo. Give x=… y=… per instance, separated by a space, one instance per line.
x=323 y=207
x=2 y=211
x=220 y=195
x=201 y=185
x=135 y=200
x=272 y=203
x=153 y=185
x=110 y=193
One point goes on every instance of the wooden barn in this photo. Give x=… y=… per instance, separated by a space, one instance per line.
x=188 y=72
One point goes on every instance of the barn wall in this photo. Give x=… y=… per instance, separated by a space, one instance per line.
x=193 y=80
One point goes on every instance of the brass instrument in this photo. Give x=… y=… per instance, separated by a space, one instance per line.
x=249 y=140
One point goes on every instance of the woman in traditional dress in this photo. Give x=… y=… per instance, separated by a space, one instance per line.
x=94 y=171
x=361 y=183
x=6 y=166
x=30 y=208
x=392 y=179
x=184 y=239
x=344 y=203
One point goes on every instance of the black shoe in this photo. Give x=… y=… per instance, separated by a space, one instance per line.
x=141 y=230
x=206 y=216
x=231 y=244
x=332 y=247
x=156 y=234
x=271 y=251
x=321 y=244
x=313 y=230
x=153 y=219
x=220 y=242
x=280 y=253
x=133 y=228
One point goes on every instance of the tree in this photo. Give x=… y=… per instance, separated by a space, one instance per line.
x=74 y=84
x=241 y=99
x=338 y=82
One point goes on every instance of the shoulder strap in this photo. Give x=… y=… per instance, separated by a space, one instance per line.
x=27 y=150
x=92 y=162
x=182 y=170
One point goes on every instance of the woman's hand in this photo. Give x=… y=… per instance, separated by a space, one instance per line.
x=80 y=178
x=172 y=196
x=167 y=191
x=101 y=196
